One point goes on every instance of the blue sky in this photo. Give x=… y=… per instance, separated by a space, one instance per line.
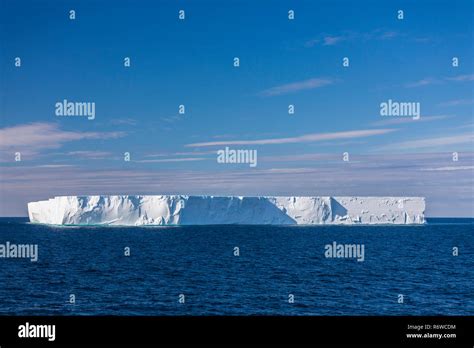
x=282 y=62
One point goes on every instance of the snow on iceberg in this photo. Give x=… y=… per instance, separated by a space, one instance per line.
x=130 y=210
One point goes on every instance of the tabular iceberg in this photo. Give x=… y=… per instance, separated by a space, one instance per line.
x=131 y=210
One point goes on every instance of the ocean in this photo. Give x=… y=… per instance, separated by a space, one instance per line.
x=239 y=270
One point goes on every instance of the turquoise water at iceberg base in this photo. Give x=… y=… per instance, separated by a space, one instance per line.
x=275 y=261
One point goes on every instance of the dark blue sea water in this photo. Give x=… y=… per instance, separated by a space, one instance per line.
x=199 y=262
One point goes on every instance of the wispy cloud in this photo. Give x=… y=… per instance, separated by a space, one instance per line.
x=172 y=119
x=297 y=86
x=346 y=36
x=328 y=40
x=90 y=154
x=465 y=125
x=332 y=40
x=423 y=82
x=428 y=81
x=299 y=139
x=459 y=139
x=39 y=136
x=385 y=35
x=457 y=102
x=404 y=120
x=423 y=39
x=461 y=78
x=54 y=166
x=448 y=168
x=124 y=121
x=185 y=153
x=298 y=157
x=166 y=160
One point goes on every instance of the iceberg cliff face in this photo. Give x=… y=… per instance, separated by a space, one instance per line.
x=208 y=210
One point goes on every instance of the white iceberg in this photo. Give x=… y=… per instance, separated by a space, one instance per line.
x=129 y=210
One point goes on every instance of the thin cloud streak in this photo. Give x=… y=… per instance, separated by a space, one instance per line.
x=300 y=139
x=457 y=102
x=54 y=166
x=350 y=36
x=165 y=160
x=188 y=153
x=461 y=78
x=424 y=82
x=90 y=154
x=403 y=120
x=428 y=81
x=297 y=86
x=459 y=139
x=45 y=136
x=451 y=168
x=332 y=40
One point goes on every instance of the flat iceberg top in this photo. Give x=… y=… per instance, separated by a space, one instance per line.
x=130 y=210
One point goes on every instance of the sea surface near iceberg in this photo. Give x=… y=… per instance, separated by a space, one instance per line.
x=199 y=262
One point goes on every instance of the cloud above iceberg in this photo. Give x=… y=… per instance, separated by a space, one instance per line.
x=307 y=138
x=448 y=186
